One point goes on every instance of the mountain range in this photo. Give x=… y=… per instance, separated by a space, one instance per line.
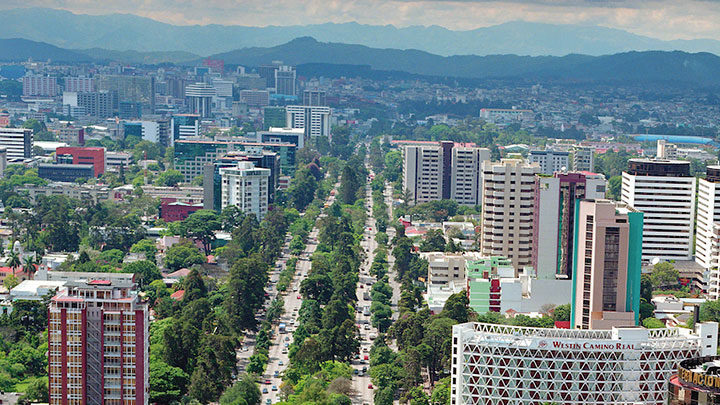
x=126 y=32
x=336 y=59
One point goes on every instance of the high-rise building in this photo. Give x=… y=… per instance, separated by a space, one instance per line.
x=274 y=117
x=314 y=119
x=267 y=72
x=72 y=135
x=18 y=142
x=183 y=126
x=314 y=97
x=100 y=104
x=550 y=161
x=665 y=191
x=199 y=97
x=443 y=170
x=246 y=187
x=707 y=238
x=554 y=219
x=508 y=206
x=157 y=131
x=133 y=89
x=38 y=85
x=606 y=285
x=98 y=344
x=583 y=159
x=79 y=84
x=285 y=81
x=255 y=98
x=3 y=161
x=93 y=156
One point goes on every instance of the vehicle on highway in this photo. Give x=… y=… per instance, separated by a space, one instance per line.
x=282 y=327
x=370 y=386
x=361 y=373
x=265 y=391
x=274 y=388
x=276 y=374
x=355 y=371
x=280 y=363
x=267 y=382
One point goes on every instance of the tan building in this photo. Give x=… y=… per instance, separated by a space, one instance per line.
x=607 y=265
x=508 y=206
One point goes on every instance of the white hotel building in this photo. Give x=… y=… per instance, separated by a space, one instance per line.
x=707 y=239
x=246 y=187
x=664 y=191
x=500 y=364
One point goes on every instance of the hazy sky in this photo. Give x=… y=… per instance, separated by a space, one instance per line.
x=665 y=19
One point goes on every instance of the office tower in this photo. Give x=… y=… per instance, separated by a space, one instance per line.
x=550 y=161
x=199 y=97
x=267 y=72
x=707 y=238
x=583 y=159
x=665 y=191
x=191 y=156
x=72 y=135
x=255 y=98
x=274 y=117
x=466 y=177
x=285 y=81
x=183 y=126
x=79 y=84
x=315 y=120
x=314 y=97
x=508 y=206
x=133 y=89
x=443 y=170
x=666 y=150
x=98 y=344
x=3 y=161
x=93 y=156
x=223 y=93
x=283 y=135
x=18 y=143
x=554 y=219
x=100 y=104
x=246 y=187
x=607 y=265
x=38 y=85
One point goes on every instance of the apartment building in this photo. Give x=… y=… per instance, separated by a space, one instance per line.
x=18 y=142
x=98 y=344
x=665 y=191
x=466 y=173
x=583 y=159
x=707 y=238
x=551 y=161
x=246 y=187
x=508 y=206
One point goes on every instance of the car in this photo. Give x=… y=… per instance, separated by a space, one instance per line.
x=362 y=286
x=366 y=357
x=274 y=388
x=355 y=371
x=299 y=297
x=361 y=373
x=276 y=374
x=364 y=369
x=267 y=382
x=284 y=351
x=287 y=345
x=268 y=401
x=287 y=338
x=365 y=349
x=370 y=386
x=367 y=327
x=280 y=363
x=265 y=391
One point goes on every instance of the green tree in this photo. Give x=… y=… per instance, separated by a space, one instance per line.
x=169 y=178
x=145 y=272
x=457 y=307
x=614 y=185
x=13 y=261
x=441 y=392
x=653 y=323
x=11 y=282
x=302 y=189
x=434 y=241
x=181 y=255
x=167 y=383
x=663 y=275
x=145 y=246
x=37 y=391
x=244 y=392
x=562 y=313
x=201 y=226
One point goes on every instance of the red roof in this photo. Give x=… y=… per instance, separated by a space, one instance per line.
x=178 y=295
x=99 y=282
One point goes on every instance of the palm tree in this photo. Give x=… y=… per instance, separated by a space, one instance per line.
x=13 y=261
x=29 y=266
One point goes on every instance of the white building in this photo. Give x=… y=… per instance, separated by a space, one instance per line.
x=314 y=119
x=707 y=239
x=38 y=85
x=466 y=174
x=79 y=84
x=199 y=97
x=665 y=191
x=666 y=150
x=583 y=159
x=285 y=80
x=550 y=161
x=283 y=135
x=500 y=364
x=113 y=160
x=18 y=142
x=246 y=187
x=508 y=206
x=503 y=115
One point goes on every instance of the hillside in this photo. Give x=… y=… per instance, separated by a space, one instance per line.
x=17 y=49
x=129 y=32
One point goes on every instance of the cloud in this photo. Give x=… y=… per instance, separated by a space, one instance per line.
x=664 y=19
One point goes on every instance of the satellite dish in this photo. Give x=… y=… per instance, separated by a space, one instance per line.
x=655 y=260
